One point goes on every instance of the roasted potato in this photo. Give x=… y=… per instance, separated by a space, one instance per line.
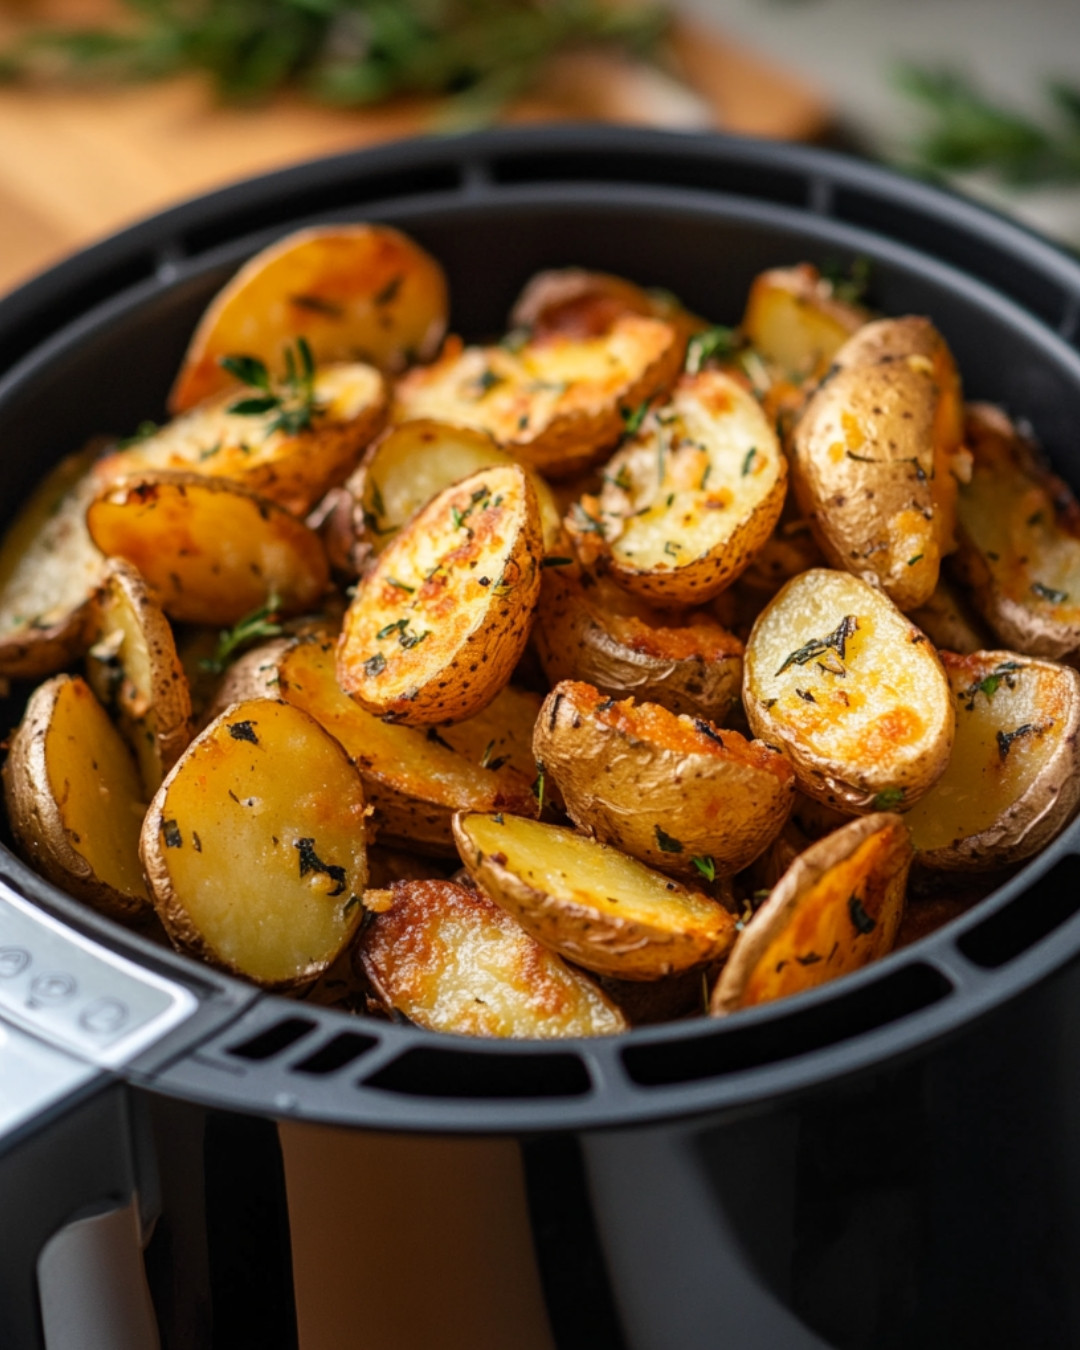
x=851 y=691
x=1014 y=777
x=353 y=292
x=74 y=798
x=671 y=791
x=252 y=675
x=689 y=500
x=950 y=623
x=795 y=322
x=256 y=870
x=449 y=959
x=135 y=671
x=876 y=455
x=589 y=902
x=439 y=623
x=573 y=302
x=212 y=550
x=556 y=403
x=837 y=908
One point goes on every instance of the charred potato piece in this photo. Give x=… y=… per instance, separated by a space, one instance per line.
x=212 y=550
x=1013 y=781
x=950 y=623
x=257 y=870
x=588 y=628
x=589 y=902
x=74 y=798
x=1019 y=541
x=837 y=908
x=876 y=455
x=135 y=671
x=556 y=403
x=417 y=779
x=795 y=322
x=851 y=691
x=289 y=453
x=671 y=791
x=440 y=621
x=353 y=292
x=690 y=499
x=450 y=959
x=49 y=571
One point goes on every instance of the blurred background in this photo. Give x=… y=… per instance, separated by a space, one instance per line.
x=112 y=109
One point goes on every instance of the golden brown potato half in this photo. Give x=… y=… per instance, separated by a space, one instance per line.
x=851 y=691
x=690 y=499
x=74 y=798
x=1014 y=777
x=354 y=292
x=292 y=465
x=416 y=779
x=254 y=846
x=438 y=624
x=950 y=623
x=1019 y=540
x=836 y=909
x=795 y=322
x=589 y=902
x=49 y=571
x=574 y=302
x=556 y=403
x=449 y=959
x=876 y=455
x=134 y=670
x=588 y=628
x=672 y=791
x=212 y=550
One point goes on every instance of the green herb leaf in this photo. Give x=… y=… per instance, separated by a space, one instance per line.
x=248 y=370
x=888 y=798
x=633 y=418
x=260 y=623
x=667 y=843
x=706 y=866
x=1048 y=593
x=835 y=641
x=708 y=345
x=863 y=922
x=556 y=562
x=254 y=407
x=748 y=461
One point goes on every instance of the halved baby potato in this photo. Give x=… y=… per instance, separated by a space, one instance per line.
x=134 y=669
x=212 y=550
x=672 y=791
x=255 y=867
x=1013 y=781
x=589 y=902
x=795 y=322
x=75 y=800
x=690 y=499
x=588 y=628
x=438 y=624
x=354 y=292
x=876 y=456
x=449 y=959
x=837 y=908
x=556 y=403
x=574 y=302
x=851 y=691
x=1019 y=540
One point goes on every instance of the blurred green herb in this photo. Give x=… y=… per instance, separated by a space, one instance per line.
x=292 y=398
x=260 y=623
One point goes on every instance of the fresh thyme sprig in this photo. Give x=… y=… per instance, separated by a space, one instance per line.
x=260 y=623
x=292 y=397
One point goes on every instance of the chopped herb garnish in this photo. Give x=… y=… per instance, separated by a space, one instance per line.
x=171 y=832
x=848 y=283
x=292 y=397
x=410 y=640
x=705 y=476
x=316 y=304
x=806 y=695
x=706 y=866
x=457 y=517
x=556 y=562
x=350 y=905
x=243 y=731
x=583 y=521
x=538 y=788
x=835 y=641
x=260 y=623
x=917 y=558
x=671 y=548
x=750 y=456
x=706 y=729
x=707 y=346
x=1006 y=738
x=888 y=798
x=389 y=291
x=810 y=959
x=622 y=479
x=485 y=382
x=310 y=862
x=863 y=922
x=142 y=432
x=375 y=665
x=398 y=626
x=633 y=418
x=401 y=586
x=1048 y=593
x=486 y=756
x=667 y=842
x=433 y=735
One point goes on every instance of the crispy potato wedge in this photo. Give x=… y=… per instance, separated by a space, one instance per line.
x=588 y=628
x=135 y=671
x=417 y=779
x=876 y=456
x=1019 y=540
x=437 y=626
x=449 y=959
x=74 y=798
x=355 y=292
x=950 y=623
x=795 y=322
x=851 y=691
x=293 y=468
x=258 y=871
x=574 y=302
x=49 y=571
x=589 y=902
x=690 y=499
x=837 y=908
x=668 y=790
x=557 y=402
x=1013 y=781
x=212 y=550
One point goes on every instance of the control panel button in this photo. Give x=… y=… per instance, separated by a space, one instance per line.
x=13 y=961
x=103 y=1016
x=51 y=988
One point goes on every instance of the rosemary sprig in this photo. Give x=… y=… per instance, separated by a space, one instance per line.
x=292 y=398
x=260 y=623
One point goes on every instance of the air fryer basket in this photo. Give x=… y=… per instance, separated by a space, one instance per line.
x=92 y=346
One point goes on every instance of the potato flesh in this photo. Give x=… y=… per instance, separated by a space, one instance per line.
x=451 y=960
x=794 y=322
x=261 y=870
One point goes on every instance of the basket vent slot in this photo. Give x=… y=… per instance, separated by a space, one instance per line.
x=1027 y=918
x=734 y=1048
x=336 y=1053
x=429 y=1072
x=273 y=1040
